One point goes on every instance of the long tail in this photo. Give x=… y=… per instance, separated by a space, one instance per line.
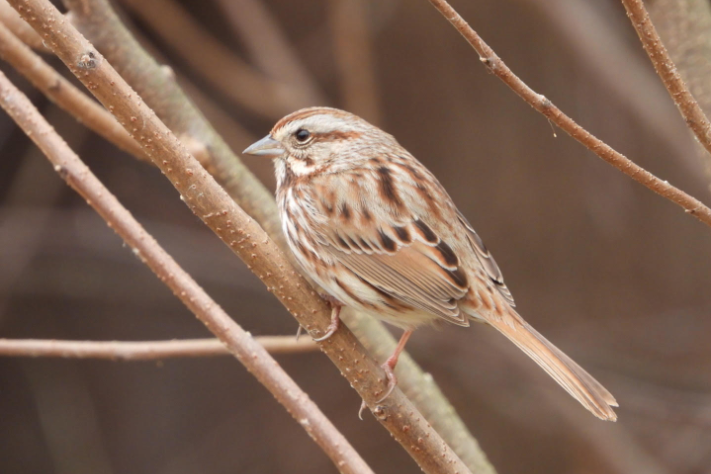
x=573 y=378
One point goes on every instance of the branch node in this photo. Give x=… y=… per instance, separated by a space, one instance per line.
x=88 y=60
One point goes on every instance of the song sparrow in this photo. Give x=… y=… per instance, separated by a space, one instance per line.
x=377 y=231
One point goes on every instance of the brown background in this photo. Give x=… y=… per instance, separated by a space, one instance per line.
x=613 y=274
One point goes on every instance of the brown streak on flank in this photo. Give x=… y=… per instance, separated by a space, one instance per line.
x=367 y=216
x=345 y=212
x=327 y=206
x=387 y=187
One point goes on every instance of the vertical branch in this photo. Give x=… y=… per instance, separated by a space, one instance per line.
x=254 y=357
x=685 y=27
x=354 y=57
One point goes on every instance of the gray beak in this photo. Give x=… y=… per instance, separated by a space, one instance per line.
x=267 y=147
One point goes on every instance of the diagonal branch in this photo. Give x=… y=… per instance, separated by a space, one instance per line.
x=667 y=71
x=20 y=28
x=218 y=65
x=254 y=357
x=143 y=350
x=157 y=87
x=212 y=204
x=64 y=93
x=497 y=67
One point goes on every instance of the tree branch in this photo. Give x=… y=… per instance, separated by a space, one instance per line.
x=156 y=85
x=269 y=97
x=210 y=202
x=20 y=28
x=143 y=350
x=497 y=67
x=667 y=71
x=685 y=26
x=254 y=357
x=65 y=94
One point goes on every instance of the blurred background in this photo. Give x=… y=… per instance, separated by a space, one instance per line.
x=614 y=275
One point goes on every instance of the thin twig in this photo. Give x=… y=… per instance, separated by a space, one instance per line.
x=19 y=27
x=143 y=350
x=354 y=57
x=214 y=62
x=157 y=86
x=497 y=67
x=254 y=357
x=667 y=71
x=65 y=94
x=212 y=204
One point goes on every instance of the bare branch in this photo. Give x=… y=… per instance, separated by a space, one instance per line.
x=497 y=67
x=157 y=86
x=254 y=357
x=667 y=71
x=19 y=27
x=685 y=26
x=216 y=63
x=210 y=202
x=65 y=94
x=143 y=350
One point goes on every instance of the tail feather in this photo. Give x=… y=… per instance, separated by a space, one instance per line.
x=573 y=378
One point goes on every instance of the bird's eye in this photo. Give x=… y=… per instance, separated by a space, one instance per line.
x=302 y=135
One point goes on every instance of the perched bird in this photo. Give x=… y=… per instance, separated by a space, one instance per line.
x=377 y=231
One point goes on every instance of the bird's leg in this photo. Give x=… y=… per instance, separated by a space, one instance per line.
x=335 y=318
x=389 y=365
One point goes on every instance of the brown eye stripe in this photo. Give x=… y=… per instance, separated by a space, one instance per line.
x=335 y=135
